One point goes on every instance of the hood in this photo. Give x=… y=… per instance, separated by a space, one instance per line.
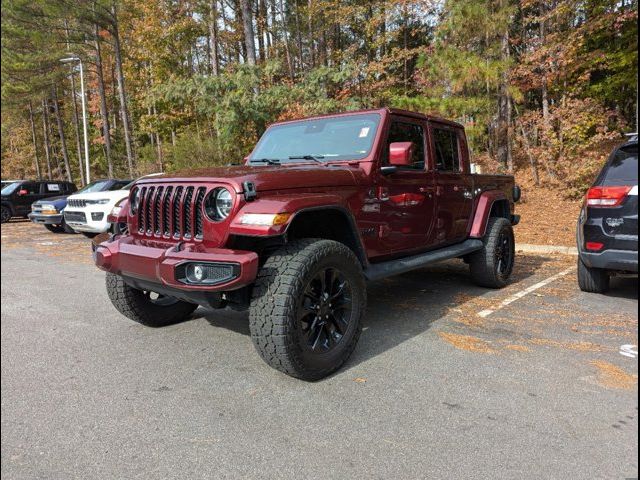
x=113 y=195
x=58 y=201
x=271 y=177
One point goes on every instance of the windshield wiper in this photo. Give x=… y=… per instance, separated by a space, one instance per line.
x=315 y=158
x=268 y=161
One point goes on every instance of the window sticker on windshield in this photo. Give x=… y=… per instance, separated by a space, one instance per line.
x=364 y=132
x=53 y=187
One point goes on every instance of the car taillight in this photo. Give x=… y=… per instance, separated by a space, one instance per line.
x=595 y=246
x=606 y=196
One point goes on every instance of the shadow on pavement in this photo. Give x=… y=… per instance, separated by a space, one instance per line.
x=401 y=307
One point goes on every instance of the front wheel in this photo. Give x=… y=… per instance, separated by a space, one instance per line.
x=307 y=306
x=89 y=234
x=146 y=307
x=492 y=266
x=5 y=215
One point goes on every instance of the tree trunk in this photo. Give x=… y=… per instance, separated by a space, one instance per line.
x=35 y=142
x=312 y=56
x=247 y=24
x=296 y=15
x=285 y=39
x=532 y=161
x=63 y=140
x=104 y=113
x=126 y=124
x=503 y=146
x=47 y=141
x=214 y=57
x=260 y=31
x=76 y=126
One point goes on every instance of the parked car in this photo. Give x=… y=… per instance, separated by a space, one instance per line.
x=320 y=206
x=17 y=197
x=50 y=211
x=87 y=212
x=608 y=224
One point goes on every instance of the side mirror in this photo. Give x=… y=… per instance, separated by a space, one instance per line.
x=400 y=154
x=23 y=192
x=517 y=193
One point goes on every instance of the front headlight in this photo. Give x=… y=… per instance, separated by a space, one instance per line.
x=100 y=201
x=135 y=201
x=219 y=204
x=48 y=209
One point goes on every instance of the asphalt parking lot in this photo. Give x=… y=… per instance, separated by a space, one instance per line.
x=448 y=381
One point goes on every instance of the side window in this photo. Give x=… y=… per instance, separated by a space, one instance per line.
x=52 y=187
x=408 y=132
x=118 y=185
x=447 y=152
x=31 y=188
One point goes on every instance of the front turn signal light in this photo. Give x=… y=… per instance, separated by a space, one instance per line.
x=265 y=219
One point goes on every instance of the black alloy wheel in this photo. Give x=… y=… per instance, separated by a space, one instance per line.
x=504 y=254
x=324 y=311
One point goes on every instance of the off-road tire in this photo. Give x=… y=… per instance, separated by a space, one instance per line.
x=275 y=330
x=592 y=280
x=136 y=305
x=484 y=264
x=5 y=214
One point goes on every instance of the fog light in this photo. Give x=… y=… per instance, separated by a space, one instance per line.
x=207 y=273
x=97 y=216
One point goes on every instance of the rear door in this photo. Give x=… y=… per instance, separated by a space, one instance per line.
x=454 y=197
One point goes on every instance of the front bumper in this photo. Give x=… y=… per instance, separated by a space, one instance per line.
x=160 y=263
x=46 y=219
x=82 y=221
x=618 y=260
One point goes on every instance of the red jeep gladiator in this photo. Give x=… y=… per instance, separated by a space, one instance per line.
x=320 y=206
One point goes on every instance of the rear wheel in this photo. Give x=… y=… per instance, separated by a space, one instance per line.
x=146 y=307
x=492 y=266
x=307 y=306
x=5 y=215
x=592 y=280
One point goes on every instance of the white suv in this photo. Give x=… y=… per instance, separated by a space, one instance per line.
x=87 y=212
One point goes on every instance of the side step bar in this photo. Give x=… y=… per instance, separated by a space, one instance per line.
x=377 y=271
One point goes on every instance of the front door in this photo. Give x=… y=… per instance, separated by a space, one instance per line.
x=453 y=186
x=407 y=200
x=24 y=196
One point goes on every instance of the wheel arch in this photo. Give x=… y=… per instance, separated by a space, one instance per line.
x=491 y=204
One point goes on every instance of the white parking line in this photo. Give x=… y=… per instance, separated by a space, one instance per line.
x=525 y=292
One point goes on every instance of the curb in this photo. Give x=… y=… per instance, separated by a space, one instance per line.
x=528 y=248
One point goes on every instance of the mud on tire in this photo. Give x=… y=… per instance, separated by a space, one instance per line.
x=492 y=266
x=294 y=325
x=144 y=307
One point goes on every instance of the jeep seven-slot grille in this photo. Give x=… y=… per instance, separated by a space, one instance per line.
x=172 y=212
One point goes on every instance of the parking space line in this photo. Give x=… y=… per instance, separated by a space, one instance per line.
x=526 y=291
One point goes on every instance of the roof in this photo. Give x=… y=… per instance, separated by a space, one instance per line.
x=382 y=111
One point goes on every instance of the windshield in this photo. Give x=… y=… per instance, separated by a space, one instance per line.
x=98 y=186
x=9 y=189
x=339 y=138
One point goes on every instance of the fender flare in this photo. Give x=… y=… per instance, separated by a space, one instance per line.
x=483 y=211
x=296 y=205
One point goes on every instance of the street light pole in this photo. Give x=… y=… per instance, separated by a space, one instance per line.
x=84 y=114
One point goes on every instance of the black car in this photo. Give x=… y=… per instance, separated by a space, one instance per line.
x=17 y=197
x=608 y=224
x=50 y=211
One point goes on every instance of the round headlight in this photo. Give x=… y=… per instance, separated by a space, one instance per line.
x=135 y=201
x=219 y=204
